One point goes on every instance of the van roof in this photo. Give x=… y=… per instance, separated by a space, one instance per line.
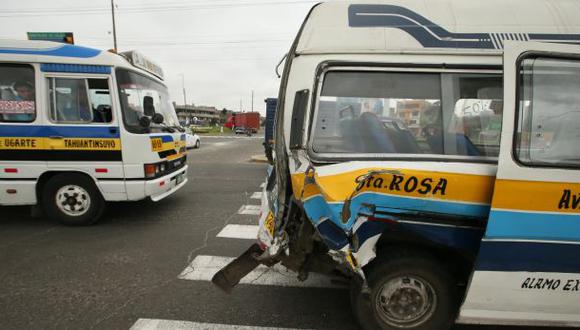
x=435 y=25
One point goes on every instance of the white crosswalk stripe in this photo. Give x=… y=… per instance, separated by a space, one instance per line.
x=155 y=324
x=256 y=195
x=239 y=232
x=203 y=268
x=249 y=209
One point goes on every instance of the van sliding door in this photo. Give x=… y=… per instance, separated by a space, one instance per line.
x=528 y=267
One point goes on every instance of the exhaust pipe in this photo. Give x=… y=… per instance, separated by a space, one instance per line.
x=229 y=276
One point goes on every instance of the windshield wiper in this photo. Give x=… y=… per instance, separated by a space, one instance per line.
x=179 y=128
x=164 y=128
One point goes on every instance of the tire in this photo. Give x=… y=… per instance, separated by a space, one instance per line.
x=81 y=203
x=406 y=275
x=197 y=144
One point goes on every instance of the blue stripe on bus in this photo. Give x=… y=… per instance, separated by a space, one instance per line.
x=406 y=205
x=60 y=50
x=164 y=138
x=528 y=257
x=316 y=207
x=74 y=68
x=64 y=131
x=538 y=226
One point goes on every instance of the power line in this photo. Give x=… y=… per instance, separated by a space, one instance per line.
x=139 y=10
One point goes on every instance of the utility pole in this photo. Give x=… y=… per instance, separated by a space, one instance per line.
x=240 y=105
x=114 y=28
x=183 y=87
x=252 y=100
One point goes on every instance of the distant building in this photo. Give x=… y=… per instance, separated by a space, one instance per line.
x=197 y=114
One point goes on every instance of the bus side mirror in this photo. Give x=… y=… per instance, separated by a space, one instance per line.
x=157 y=118
x=148 y=107
x=145 y=121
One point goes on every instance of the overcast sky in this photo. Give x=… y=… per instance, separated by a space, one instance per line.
x=223 y=48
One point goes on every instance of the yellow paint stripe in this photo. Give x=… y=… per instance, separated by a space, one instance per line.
x=457 y=187
x=158 y=146
x=41 y=143
x=537 y=196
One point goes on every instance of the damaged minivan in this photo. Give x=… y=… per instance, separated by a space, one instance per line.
x=428 y=153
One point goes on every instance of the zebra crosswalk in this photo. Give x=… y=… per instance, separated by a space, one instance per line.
x=204 y=266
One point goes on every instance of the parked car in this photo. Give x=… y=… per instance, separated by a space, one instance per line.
x=192 y=141
x=242 y=130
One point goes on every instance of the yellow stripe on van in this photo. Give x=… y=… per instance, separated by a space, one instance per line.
x=406 y=183
x=157 y=145
x=40 y=143
x=537 y=196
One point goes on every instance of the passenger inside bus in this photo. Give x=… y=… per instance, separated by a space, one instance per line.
x=24 y=90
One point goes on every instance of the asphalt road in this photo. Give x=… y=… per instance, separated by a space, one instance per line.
x=125 y=271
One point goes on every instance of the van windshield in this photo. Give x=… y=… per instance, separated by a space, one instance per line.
x=133 y=88
x=378 y=112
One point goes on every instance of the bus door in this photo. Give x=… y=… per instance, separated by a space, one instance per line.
x=528 y=267
x=83 y=128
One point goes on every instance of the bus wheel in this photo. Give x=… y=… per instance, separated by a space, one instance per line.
x=407 y=291
x=72 y=199
x=197 y=144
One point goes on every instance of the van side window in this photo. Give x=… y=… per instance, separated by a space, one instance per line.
x=83 y=101
x=378 y=112
x=17 y=93
x=548 y=128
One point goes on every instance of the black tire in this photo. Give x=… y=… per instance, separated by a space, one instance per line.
x=197 y=144
x=406 y=264
x=76 y=183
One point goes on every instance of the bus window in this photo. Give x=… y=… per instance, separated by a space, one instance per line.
x=17 y=93
x=69 y=101
x=455 y=114
x=100 y=100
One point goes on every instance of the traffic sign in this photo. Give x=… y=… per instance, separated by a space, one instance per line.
x=64 y=37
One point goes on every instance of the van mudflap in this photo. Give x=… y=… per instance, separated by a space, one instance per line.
x=229 y=276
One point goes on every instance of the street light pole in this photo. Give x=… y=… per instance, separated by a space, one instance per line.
x=114 y=28
x=252 y=100
x=183 y=87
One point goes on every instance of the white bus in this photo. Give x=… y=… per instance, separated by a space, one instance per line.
x=80 y=127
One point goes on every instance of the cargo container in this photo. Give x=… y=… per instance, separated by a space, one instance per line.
x=247 y=121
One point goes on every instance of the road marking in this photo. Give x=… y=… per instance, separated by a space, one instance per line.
x=257 y=195
x=203 y=268
x=231 y=137
x=250 y=209
x=155 y=324
x=239 y=231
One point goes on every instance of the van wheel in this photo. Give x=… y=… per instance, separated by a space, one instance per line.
x=72 y=199
x=407 y=291
x=197 y=144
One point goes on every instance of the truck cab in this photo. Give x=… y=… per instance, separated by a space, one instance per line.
x=425 y=152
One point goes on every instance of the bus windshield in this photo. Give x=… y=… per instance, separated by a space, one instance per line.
x=133 y=87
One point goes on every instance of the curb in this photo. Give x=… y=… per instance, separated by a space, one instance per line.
x=259 y=159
